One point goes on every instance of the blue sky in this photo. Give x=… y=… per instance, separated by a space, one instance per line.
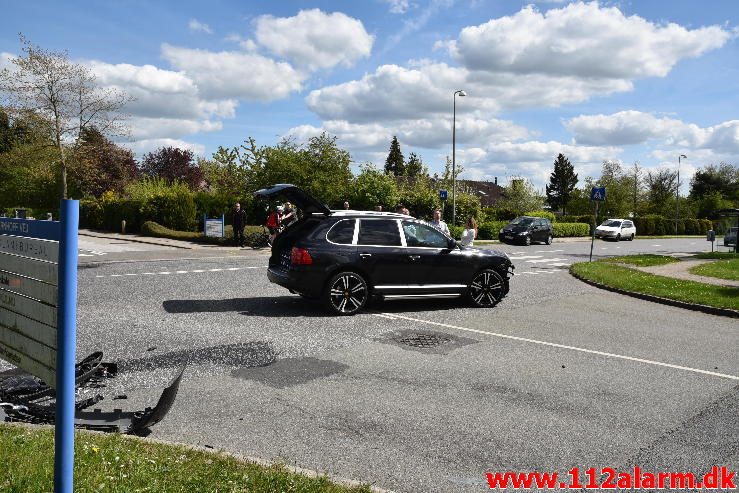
x=631 y=81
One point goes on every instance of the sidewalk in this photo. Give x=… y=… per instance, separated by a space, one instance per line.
x=680 y=270
x=185 y=245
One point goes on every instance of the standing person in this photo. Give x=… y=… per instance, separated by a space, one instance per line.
x=346 y=205
x=438 y=223
x=378 y=208
x=470 y=232
x=238 y=222
x=273 y=223
x=289 y=214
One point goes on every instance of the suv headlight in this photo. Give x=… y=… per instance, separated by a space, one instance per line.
x=501 y=231
x=523 y=233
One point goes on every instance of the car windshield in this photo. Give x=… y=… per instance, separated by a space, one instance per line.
x=522 y=221
x=611 y=223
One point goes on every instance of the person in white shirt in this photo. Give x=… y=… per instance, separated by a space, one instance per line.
x=470 y=232
x=438 y=223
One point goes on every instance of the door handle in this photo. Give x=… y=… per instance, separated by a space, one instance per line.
x=365 y=255
x=414 y=258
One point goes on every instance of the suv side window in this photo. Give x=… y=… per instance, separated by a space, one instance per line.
x=382 y=232
x=628 y=224
x=421 y=235
x=342 y=232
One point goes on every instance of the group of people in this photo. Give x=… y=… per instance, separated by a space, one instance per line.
x=284 y=215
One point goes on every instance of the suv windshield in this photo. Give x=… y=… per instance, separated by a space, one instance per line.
x=522 y=221
x=611 y=223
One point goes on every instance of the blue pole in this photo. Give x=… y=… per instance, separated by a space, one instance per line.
x=66 y=341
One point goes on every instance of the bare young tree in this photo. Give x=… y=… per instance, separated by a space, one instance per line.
x=49 y=85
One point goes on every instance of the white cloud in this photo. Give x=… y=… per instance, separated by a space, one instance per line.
x=582 y=40
x=142 y=147
x=398 y=6
x=197 y=26
x=238 y=75
x=158 y=128
x=635 y=127
x=315 y=39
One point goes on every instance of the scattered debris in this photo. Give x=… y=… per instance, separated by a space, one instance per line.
x=27 y=399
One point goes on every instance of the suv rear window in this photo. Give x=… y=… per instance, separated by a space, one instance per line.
x=342 y=232
x=383 y=232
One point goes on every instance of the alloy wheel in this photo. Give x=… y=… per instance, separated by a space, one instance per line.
x=347 y=293
x=486 y=289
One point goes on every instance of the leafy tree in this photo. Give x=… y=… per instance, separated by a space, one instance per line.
x=172 y=164
x=415 y=167
x=49 y=84
x=709 y=205
x=521 y=196
x=723 y=179
x=419 y=196
x=619 y=190
x=562 y=182
x=101 y=165
x=372 y=187
x=395 y=164
x=661 y=187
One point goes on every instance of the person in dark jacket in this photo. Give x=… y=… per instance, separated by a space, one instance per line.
x=238 y=221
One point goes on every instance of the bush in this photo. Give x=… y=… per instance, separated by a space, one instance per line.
x=566 y=230
x=544 y=214
x=455 y=231
x=489 y=230
x=153 y=229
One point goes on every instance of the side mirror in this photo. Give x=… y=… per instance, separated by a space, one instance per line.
x=452 y=244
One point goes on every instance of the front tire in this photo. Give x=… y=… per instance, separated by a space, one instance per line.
x=631 y=238
x=527 y=240
x=486 y=289
x=346 y=293
x=618 y=237
x=549 y=240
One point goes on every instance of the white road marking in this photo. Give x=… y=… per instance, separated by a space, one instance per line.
x=656 y=245
x=548 y=251
x=525 y=257
x=559 y=264
x=540 y=261
x=571 y=348
x=518 y=253
x=197 y=271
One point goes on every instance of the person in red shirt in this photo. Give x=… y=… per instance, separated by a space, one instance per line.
x=273 y=222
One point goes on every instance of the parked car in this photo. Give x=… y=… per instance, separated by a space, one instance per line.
x=730 y=237
x=616 y=229
x=346 y=257
x=527 y=230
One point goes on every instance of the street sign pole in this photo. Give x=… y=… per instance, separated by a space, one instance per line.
x=595 y=222
x=66 y=342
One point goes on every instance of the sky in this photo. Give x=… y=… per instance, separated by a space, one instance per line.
x=640 y=80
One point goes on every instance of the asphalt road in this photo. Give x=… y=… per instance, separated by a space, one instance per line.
x=558 y=375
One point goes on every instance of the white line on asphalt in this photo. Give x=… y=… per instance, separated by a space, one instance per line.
x=198 y=271
x=548 y=251
x=518 y=253
x=525 y=257
x=571 y=348
x=181 y=272
x=540 y=261
x=559 y=264
x=656 y=245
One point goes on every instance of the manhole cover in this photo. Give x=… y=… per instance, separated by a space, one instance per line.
x=424 y=340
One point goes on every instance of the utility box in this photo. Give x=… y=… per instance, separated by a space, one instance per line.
x=711 y=235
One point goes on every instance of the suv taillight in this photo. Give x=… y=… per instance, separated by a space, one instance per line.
x=300 y=256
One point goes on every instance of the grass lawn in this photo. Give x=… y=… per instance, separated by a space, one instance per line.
x=114 y=463
x=628 y=279
x=723 y=269
x=645 y=260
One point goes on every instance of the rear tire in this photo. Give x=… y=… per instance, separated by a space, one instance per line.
x=346 y=293
x=631 y=238
x=486 y=289
x=618 y=237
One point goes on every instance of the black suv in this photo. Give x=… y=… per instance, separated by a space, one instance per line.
x=346 y=257
x=527 y=230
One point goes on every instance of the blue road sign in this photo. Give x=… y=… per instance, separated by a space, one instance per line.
x=598 y=193
x=442 y=194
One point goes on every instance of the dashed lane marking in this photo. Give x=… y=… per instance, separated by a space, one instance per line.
x=525 y=257
x=548 y=251
x=196 y=271
x=562 y=346
x=545 y=260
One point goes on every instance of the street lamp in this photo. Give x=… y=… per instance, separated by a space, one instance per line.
x=454 y=151
x=677 y=191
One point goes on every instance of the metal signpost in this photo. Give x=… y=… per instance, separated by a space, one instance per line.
x=38 y=311
x=443 y=196
x=597 y=195
x=214 y=227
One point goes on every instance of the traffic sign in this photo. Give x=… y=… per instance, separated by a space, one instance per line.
x=598 y=193
x=442 y=194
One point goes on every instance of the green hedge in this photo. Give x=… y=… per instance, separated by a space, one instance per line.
x=489 y=230
x=544 y=214
x=568 y=230
x=177 y=210
x=659 y=225
x=151 y=228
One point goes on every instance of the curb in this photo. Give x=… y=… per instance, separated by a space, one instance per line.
x=134 y=240
x=712 y=310
x=309 y=473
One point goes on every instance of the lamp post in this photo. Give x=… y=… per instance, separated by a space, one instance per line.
x=677 y=191
x=454 y=151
